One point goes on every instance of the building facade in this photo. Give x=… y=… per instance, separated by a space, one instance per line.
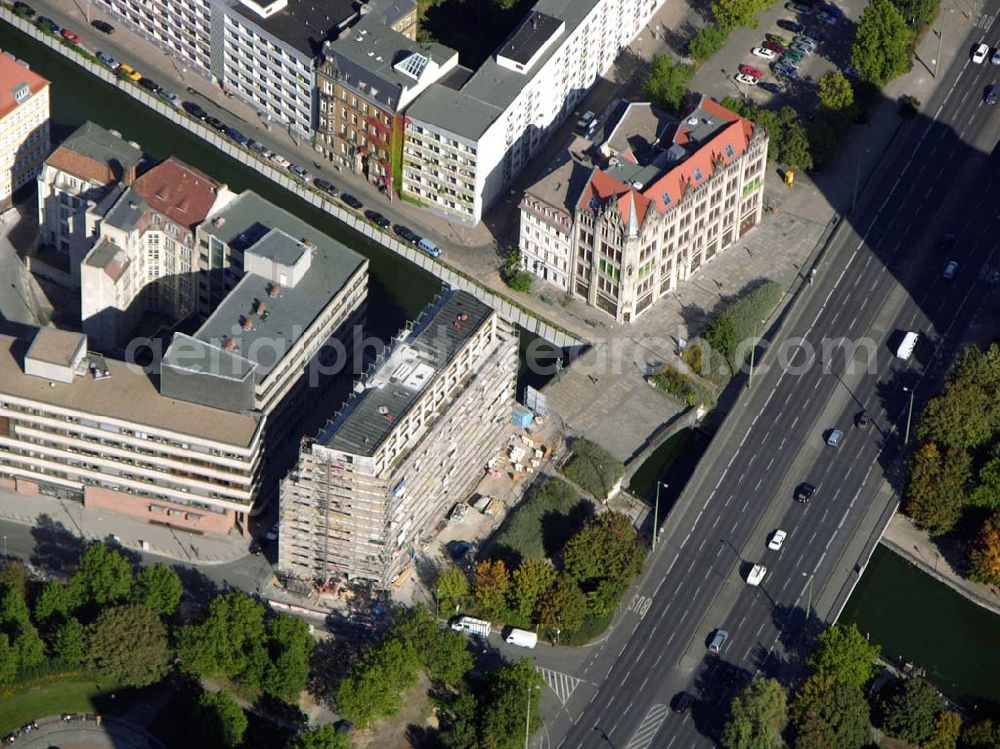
x=24 y=126
x=74 y=181
x=413 y=440
x=464 y=147
x=622 y=224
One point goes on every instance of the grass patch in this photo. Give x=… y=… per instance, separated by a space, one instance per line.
x=643 y=482
x=592 y=627
x=593 y=468
x=71 y=692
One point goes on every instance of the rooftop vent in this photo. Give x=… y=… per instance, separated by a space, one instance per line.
x=247 y=323
x=218 y=221
x=272 y=290
x=258 y=306
x=228 y=344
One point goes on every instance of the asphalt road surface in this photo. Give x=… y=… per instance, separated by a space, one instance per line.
x=881 y=277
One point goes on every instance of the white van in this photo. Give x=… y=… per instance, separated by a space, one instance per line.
x=522 y=638
x=905 y=349
x=429 y=247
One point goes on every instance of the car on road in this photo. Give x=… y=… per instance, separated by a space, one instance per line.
x=770 y=87
x=789 y=25
x=681 y=702
x=129 y=72
x=751 y=71
x=947 y=242
x=773 y=46
x=259 y=148
x=801 y=8
x=23 y=9
x=107 y=61
x=47 y=24
x=149 y=84
x=236 y=136
x=281 y=161
x=351 y=201
x=950 y=269
x=406 y=233
x=980 y=53
x=103 y=26
x=756 y=575
x=786 y=70
x=995 y=59
x=326 y=186
x=169 y=97
x=863 y=419
x=834 y=438
x=378 y=219
x=804 y=492
x=300 y=172
x=767 y=54
x=991 y=94
x=215 y=123
x=777 y=539
x=718 y=640
x=70 y=36
x=195 y=110
x=746 y=80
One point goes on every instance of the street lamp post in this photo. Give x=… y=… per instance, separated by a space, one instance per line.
x=909 y=414
x=527 y=717
x=940 y=35
x=656 y=512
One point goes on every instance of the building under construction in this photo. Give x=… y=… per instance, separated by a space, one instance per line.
x=413 y=439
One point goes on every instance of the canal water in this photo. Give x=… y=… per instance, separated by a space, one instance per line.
x=924 y=622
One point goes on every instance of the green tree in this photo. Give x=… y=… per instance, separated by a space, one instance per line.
x=490 y=586
x=667 y=82
x=444 y=655
x=882 y=43
x=104 y=575
x=324 y=737
x=221 y=719
x=835 y=92
x=733 y=13
x=531 y=580
x=910 y=712
x=290 y=646
x=722 y=336
x=460 y=724
x=230 y=642
x=831 y=714
x=937 y=487
x=128 y=643
x=917 y=13
x=795 y=148
x=606 y=550
x=593 y=468
x=987 y=489
x=159 y=589
x=374 y=686
x=709 y=40
x=451 y=587
x=984 y=556
x=8 y=660
x=54 y=599
x=961 y=416
x=512 y=687
x=843 y=653
x=15 y=621
x=824 y=135
x=757 y=716
x=946 y=731
x=14 y=576
x=982 y=735
x=69 y=641
x=562 y=608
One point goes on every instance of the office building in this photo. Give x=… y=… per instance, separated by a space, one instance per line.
x=24 y=126
x=412 y=441
x=622 y=223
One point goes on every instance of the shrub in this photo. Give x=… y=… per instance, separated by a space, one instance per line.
x=677 y=384
x=542 y=523
x=707 y=42
x=909 y=106
x=593 y=468
x=742 y=322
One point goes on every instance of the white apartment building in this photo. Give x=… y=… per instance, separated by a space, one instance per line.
x=181 y=28
x=463 y=148
x=413 y=440
x=24 y=126
x=73 y=184
x=622 y=224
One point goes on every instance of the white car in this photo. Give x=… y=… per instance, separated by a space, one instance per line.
x=746 y=80
x=777 y=540
x=756 y=574
x=950 y=269
x=281 y=161
x=767 y=54
x=979 y=56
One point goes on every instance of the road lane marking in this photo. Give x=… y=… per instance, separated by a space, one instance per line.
x=649 y=727
x=563 y=685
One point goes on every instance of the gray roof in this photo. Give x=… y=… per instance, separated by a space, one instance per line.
x=102 y=254
x=277 y=246
x=535 y=30
x=244 y=221
x=454 y=111
x=403 y=373
x=565 y=176
x=101 y=145
x=126 y=211
x=304 y=24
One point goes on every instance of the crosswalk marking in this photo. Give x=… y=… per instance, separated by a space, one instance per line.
x=986 y=21
x=562 y=684
x=647 y=730
x=640 y=604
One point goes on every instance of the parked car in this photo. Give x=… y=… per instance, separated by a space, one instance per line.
x=789 y=25
x=991 y=94
x=777 y=539
x=406 y=233
x=751 y=71
x=272 y=535
x=773 y=46
x=746 y=80
x=149 y=84
x=107 y=61
x=47 y=24
x=850 y=72
x=770 y=87
x=327 y=187
x=995 y=60
x=786 y=70
x=428 y=247
x=801 y=8
x=351 y=201
x=979 y=53
x=255 y=548
x=23 y=9
x=802 y=48
x=236 y=136
x=378 y=219
x=828 y=18
x=169 y=97
x=281 y=161
x=260 y=148
x=70 y=36
x=805 y=39
x=195 y=110
x=834 y=10
x=804 y=492
x=129 y=72
x=767 y=54
x=950 y=269
x=794 y=56
x=103 y=26
x=216 y=123
x=299 y=172
x=948 y=242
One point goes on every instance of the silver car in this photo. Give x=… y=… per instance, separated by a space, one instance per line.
x=718 y=640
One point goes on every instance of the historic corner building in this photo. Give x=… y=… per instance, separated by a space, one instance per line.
x=623 y=223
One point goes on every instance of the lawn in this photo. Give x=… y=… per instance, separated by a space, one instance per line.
x=47 y=695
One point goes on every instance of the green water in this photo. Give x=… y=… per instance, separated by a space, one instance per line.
x=916 y=618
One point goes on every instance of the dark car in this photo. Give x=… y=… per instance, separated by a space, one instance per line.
x=789 y=25
x=236 y=136
x=149 y=84
x=863 y=419
x=351 y=201
x=10 y=738
x=215 y=122
x=682 y=702
x=195 y=110
x=948 y=242
x=47 y=24
x=804 y=492
x=255 y=548
x=24 y=10
x=260 y=148
x=992 y=94
x=378 y=219
x=103 y=26
x=325 y=186
x=406 y=234
x=770 y=87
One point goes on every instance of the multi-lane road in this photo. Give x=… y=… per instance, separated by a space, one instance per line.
x=881 y=276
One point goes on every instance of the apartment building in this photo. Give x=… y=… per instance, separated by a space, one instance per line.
x=83 y=427
x=623 y=223
x=264 y=51
x=367 y=79
x=75 y=179
x=413 y=440
x=24 y=126
x=464 y=147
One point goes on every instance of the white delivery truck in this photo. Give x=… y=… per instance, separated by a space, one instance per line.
x=472 y=626
x=905 y=349
x=522 y=638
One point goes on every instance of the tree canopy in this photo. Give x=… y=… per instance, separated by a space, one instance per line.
x=451 y=587
x=831 y=714
x=129 y=644
x=667 y=82
x=937 y=487
x=324 y=737
x=511 y=688
x=230 y=642
x=159 y=589
x=835 y=92
x=844 y=654
x=882 y=43
x=374 y=686
x=757 y=717
x=984 y=558
x=910 y=712
x=104 y=575
x=222 y=720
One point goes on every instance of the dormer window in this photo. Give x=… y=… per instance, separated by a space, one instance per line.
x=22 y=92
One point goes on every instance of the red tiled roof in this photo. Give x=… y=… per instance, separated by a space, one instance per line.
x=12 y=75
x=178 y=191
x=69 y=161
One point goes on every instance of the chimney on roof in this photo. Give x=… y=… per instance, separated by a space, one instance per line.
x=247 y=323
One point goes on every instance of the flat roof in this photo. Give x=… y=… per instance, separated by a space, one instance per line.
x=245 y=220
x=303 y=24
x=533 y=33
x=128 y=394
x=564 y=177
x=454 y=111
x=405 y=371
x=278 y=247
x=55 y=346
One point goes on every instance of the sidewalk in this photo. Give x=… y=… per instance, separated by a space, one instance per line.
x=132 y=533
